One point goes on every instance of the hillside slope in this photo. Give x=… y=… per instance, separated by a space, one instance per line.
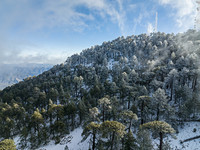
x=128 y=82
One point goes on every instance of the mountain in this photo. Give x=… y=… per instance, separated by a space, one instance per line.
x=122 y=93
x=13 y=73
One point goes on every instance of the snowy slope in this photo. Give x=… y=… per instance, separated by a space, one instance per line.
x=185 y=132
x=75 y=143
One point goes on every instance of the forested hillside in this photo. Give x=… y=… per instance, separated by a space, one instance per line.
x=124 y=93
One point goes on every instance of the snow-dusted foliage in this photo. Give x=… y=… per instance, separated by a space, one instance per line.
x=151 y=77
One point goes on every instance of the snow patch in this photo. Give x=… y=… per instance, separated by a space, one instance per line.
x=74 y=144
x=184 y=133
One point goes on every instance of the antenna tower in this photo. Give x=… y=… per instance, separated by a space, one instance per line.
x=156 y=23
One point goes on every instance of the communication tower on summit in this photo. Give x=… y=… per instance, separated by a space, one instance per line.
x=197 y=18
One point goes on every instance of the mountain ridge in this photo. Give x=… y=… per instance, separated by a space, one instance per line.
x=155 y=76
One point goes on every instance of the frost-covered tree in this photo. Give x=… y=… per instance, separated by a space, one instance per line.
x=104 y=105
x=93 y=112
x=171 y=81
x=78 y=83
x=130 y=141
x=37 y=119
x=143 y=103
x=144 y=140
x=130 y=116
x=160 y=103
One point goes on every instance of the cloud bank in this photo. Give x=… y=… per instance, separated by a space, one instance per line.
x=35 y=15
x=20 y=18
x=26 y=17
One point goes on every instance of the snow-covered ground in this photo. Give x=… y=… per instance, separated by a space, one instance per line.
x=111 y=62
x=187 y=131
x=184 y=133
x=74 y=144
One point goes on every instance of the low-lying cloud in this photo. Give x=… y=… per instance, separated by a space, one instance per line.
x=18 y=52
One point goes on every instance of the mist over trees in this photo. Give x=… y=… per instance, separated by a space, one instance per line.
x=13 y=73
x=111 y=90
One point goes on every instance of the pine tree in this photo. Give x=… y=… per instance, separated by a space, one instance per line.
x=160 y=103
x=93 y=112
x=130 y=142
x=143 y=102
x=82 y=109
x=91 y=129
x=112 y=130
x=161 y=128
x=129 y=115
x=105 y=106
x=171 y=81
x=37 y=120
x=144 y=140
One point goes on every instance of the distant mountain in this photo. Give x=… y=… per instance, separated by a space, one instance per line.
x=13 y=73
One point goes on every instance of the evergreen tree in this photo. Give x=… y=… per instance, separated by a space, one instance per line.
x=105 y=106
x=160 y=103
x=144 y=103
x=93 y=112
x=130 y=142
x=144 y=140
x=82 y=109
x=161 y=128
x=114 y=131
x=130 y=116
x=36 y=120
x=91 y=129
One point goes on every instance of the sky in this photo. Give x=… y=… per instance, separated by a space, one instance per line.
x=49 y=31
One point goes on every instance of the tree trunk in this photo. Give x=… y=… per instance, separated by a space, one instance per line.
x=50 y=120
x=123 y=144
x=103 y=113
x=130 y=124
x=93 y=141
x=76 y=90
x=80 y=117
x=172 y=88
x=142 y=109
x=158 y=113
x=193 y=138
x=161 y=140
x=112 y=142
x=129 y=102
x=194 y=83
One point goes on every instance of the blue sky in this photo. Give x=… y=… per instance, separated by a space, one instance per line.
x=48 y=31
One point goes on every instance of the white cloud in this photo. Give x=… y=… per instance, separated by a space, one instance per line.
x=183 y=12
x=141 y=19
x=16 y=54
x=64 y=13
x=29 y=16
